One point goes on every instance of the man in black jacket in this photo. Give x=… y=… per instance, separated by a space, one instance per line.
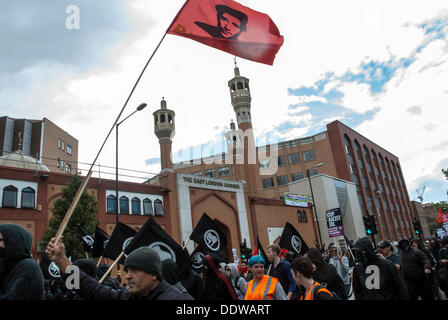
x=20 y=276
x=143 y=269
x=280 y=269
x=375 y=278
x=416 y=270
x=326 y=274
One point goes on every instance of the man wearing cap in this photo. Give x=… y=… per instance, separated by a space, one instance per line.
x=143 y=269
x=262 y=287
x=387 y=252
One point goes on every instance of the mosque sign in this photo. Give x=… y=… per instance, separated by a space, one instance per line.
x=213 y=183
x=334 y=223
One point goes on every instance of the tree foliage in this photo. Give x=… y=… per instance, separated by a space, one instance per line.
x=84 y=215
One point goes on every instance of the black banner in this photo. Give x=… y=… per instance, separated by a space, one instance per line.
x=210 y=237
x=153 y=236
x=292 y=240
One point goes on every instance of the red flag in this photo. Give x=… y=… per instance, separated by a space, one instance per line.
x=441 y=217
x=229 y=26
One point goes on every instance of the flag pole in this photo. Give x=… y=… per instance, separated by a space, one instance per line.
x=84 y=183
x=99 y=261
x=111 y=267
x=186 y=244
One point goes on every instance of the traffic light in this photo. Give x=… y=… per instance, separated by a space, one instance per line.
x=243 y=249
x=246 y=252
x=417 y=226
x=370 y=224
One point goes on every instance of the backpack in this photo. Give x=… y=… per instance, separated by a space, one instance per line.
x=316 y=288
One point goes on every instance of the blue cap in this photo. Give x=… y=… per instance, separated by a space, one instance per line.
x=256 y=259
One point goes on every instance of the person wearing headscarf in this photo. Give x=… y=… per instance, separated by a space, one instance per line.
x=21 y=278
x=238 y=282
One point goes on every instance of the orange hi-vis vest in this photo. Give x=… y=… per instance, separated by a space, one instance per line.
x=310 y=295
x=264 y=290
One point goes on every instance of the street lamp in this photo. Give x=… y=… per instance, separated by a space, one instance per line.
x=312 y=196
x=139 y=108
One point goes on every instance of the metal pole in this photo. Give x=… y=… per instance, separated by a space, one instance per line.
x=116 y=172
x=314 y=207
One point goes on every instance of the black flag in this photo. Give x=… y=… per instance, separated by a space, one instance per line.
x=49 y=268
x=118 y=241
x=153 y=236
x=209 y=236
x=87 y=239
x=196 y=259
x=100 y=240
x=292 y=240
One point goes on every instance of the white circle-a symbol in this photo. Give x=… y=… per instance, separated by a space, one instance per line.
x=296 y=243
x=211 y=239
x=197 y=260
x=54 y=271
x=165 y=251
x=125 y=244
x=89 y=240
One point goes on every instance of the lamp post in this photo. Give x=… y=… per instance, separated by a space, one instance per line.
x=139 y=108
x=312 y=196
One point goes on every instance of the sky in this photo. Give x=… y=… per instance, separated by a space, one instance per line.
x=379 y=67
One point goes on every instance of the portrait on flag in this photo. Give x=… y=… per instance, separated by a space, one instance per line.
x=229 y=26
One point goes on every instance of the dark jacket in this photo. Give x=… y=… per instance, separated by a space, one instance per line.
x=283 y=273
x=21 y=277
x=391 y=284
x=194 y=285
x=217 y=285
x=326 y=274
x=414 y=263
x=91 y=289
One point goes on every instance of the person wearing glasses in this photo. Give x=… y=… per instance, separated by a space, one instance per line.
x=387 y=252
x=342 y=266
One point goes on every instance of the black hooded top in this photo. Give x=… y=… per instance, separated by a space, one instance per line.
x=326 y=273
x=391 y=283
x=21 y=277
x=217 y=285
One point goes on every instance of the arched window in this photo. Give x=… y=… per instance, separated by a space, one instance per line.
x=28 y=196
x=299 y=216
x=239 y=85
x=147 y=207
x=10 y=197
x=124 y=204
x=136 y=206
x=111 y=204
x=304 y=217
x=158 y=208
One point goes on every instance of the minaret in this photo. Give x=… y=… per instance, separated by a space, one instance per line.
x=246 y=163
x=240 y=98
x=235 y=145
x=164 y=128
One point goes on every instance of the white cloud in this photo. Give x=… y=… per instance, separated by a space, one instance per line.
x=357 y=97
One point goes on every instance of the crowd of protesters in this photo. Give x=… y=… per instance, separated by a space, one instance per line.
x=404 y=270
